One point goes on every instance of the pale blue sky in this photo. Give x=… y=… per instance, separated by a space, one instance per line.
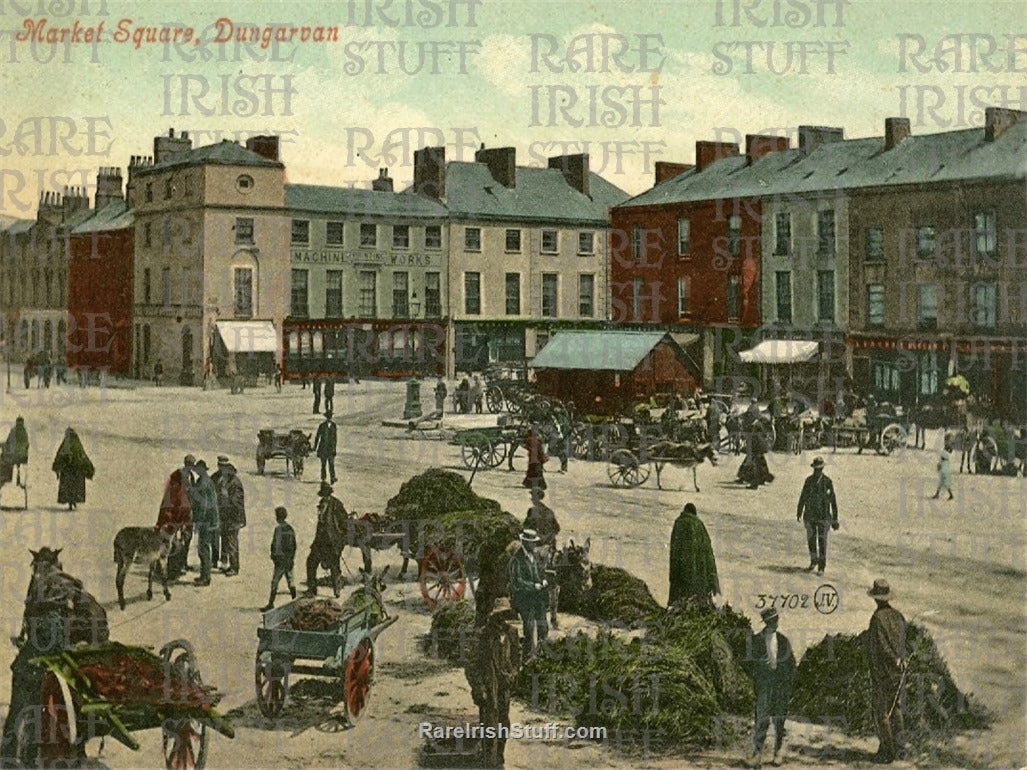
x=339 y=121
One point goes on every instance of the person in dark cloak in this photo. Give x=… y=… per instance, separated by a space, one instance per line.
x=15 y=452
x=329 y=540
x=72 y=467
x=693 y=569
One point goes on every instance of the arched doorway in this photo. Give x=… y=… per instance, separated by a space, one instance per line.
x=187 y=356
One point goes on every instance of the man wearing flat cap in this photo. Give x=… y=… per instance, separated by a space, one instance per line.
x=693 y=569
x=818 y=510
x=232 y=511
x=886 y=651
x=772 y=668
x=529 y=591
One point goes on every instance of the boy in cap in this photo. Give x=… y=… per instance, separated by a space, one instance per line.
x=772 y=668
x=283 y=556
x=529 y=591
x=818 y=509
x=886 y=652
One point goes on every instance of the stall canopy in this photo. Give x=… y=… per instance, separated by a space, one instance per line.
x=617 y=351
x=781 y=352
x=248 y=336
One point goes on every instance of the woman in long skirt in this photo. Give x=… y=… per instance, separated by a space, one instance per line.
x=945 y=469
x=72 y=467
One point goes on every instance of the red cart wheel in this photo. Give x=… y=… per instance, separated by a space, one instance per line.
x=46 y=736
x=442 y=577
x=357 y=679
x=185 y=744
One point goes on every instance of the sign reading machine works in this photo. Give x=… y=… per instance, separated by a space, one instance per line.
x=380 y=258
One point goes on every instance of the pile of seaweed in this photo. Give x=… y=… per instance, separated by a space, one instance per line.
x=615 y=596
x=675 y=682
x=833 y=683
x=452 y=635
x=439 y=508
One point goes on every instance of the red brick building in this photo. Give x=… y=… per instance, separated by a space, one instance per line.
x=100 y=264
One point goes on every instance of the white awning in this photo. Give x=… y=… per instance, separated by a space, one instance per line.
x=781 y=352
x=248 y=336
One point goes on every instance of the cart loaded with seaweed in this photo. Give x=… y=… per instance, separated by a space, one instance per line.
x=114 y=689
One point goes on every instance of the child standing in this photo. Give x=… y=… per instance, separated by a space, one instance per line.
x=945 y=470
x=283 y=555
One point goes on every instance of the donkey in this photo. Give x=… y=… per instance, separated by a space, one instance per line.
x=683 y=455
x=51 y=587
x=146 y=545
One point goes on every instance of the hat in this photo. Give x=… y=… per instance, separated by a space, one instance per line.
x=222 y=459
x=502 y=609
x=818 y=462
x=769 y=614
x=328 y=414
x=189 y=460
x=201 y=464
x=529 y=536
x=325 y=490
x=689 y=508
x=880 y=590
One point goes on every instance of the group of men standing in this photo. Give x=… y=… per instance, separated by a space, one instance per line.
x=212 y=506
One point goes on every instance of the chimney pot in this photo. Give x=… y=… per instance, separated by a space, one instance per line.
x=430 y=172
x=759 y=145
x=501 y=162
x=998 y=119
x=575 y=170
x=707 y=153
x=666 y=170
x=811 y=137
x=895 y=130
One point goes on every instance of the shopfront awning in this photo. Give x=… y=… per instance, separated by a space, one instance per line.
x=248 y=336
x=781 y=352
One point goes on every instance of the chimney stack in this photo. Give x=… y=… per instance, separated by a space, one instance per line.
x=998 y=119
x=383 y=183
x=811 y=137
x=666 y=170
x=430 y=172
x=167 y=147
x=708 y=153
x=108 y=186
x=502 y=163
x=575 y=170
x=264 y=146
x=758 y=145
x=895 y=130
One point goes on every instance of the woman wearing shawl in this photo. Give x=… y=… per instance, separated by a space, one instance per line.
x=15 y=452
x=72 y=467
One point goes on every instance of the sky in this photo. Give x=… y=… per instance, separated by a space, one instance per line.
x=631 y=83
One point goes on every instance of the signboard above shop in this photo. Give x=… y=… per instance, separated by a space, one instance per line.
x=363 y=258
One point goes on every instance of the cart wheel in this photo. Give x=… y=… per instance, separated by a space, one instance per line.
x=272 y=685
x=297 y=466
x=184 y=744
x=494 y=399
x=470 y=452
x=495 y=453
x=893 y=437
x=260 y=462
x=46 y=738
x=625 y=470
x=442 y=577
x=357 y=679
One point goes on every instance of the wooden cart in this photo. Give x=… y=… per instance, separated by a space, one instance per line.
x=484 y=448
x=292 y=446
x=885 y=431
x=71 y=710
x=344 y=652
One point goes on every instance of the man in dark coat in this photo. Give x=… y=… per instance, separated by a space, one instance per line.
x=818 y=510
x=534 y=478
x=325 y=443
x=329 y=393
x=317 y=395
x=73 y=467
x=232 y=511
x=329 y=540
x=886 y=652
x=203 y=500
x=529 y=591
x=176 y=516
x=542 y=519
x=491 y=672
x=693 y=569
x=772 y=668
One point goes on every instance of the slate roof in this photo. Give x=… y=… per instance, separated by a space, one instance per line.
x=616 y=351
x=224 y=153
x=116 y=215
x=352 y=200
x=20 y=226
x=952 y=156
x=540 y=195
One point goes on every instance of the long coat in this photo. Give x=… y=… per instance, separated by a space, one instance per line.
x=330 y=536
x=693 y=569
x=773 y=684
x=72 y=467
x=231 y=497
x=203 y=500
x=525 y=574
x=817 y=501
x=175 y=510
x=326 y=439
x=886 y=644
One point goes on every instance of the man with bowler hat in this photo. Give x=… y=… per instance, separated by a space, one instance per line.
x=818 y=510
x=772 y=668
x=886 y=652
x=325 y=442
x=329 y=540
x=529 y=591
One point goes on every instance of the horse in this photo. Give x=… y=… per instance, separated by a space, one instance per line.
x=51 y=587
x=146 y=545
x=684 y=455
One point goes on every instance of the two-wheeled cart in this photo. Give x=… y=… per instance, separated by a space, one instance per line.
x=292 y=446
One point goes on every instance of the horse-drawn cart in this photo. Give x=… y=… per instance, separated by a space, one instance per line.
x=112 y=689
x=629 y=468
x=885 y=430
x=485 y=447
x=292 y=446
x=344 y=651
